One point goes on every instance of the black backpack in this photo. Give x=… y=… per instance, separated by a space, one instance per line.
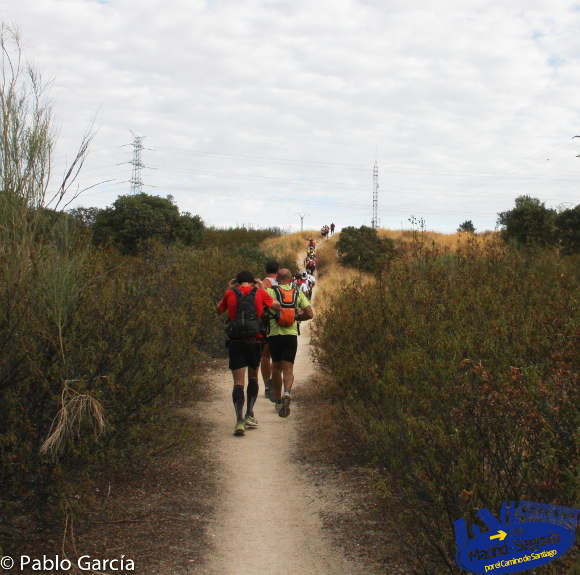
x=247 y=323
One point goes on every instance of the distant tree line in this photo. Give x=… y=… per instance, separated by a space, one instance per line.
x=531 y=223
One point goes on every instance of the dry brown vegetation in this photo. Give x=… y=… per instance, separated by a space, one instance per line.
x=450 y=242
x=453 y=376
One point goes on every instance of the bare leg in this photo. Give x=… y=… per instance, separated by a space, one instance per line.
x=239 y=376
x=288 y=375
x=266 y=364
x=277 y=379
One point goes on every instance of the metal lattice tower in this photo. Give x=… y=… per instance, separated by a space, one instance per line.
x=301 y=216
x=136 y=181
x=375 y=217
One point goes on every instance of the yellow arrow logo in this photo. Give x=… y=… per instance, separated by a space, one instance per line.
x=501 y=535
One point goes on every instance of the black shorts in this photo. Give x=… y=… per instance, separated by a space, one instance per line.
x=244 y=353
x=283 y=347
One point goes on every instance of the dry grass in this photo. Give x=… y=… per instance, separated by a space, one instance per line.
x=287 y=246
x=331 y=274
x=448 y=242
x=75 y=408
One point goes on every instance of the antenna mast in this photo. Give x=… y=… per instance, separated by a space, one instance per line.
x=375 y=217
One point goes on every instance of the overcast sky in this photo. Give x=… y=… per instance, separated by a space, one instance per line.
x=256 y=111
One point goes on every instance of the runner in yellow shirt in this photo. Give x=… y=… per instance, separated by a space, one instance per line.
x=283 y=339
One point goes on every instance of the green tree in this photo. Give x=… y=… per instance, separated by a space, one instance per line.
x=530 y=222
x=363 y=249
x=86 y=216
x=137 y=218
x=467 y=226
x=568 y=229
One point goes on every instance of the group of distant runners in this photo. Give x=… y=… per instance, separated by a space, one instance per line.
x=326 y=231
x=262 y=329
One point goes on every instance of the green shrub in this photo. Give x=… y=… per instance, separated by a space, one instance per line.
x=362 y=248
x=460 y=382
x=529 y=222
x=568 y=229
x=139 y=218
x=467 y=226
x=107 y=339
x=241 y=235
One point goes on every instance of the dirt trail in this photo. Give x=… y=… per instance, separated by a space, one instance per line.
x=267 y=518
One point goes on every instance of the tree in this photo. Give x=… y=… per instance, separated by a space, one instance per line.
x=363 y=249
x=467 y=226
x=568 y=229
x=530 y=222
x=86 y=216
x=136 y=218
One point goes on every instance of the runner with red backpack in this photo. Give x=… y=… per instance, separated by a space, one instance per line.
x=245 y=301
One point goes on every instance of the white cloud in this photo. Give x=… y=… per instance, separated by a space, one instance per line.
x=286 y=103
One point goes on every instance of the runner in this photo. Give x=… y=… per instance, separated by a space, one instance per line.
x=311 y=283
x=270 y=280
x=244 y=301
x=332 y=229
x=304 y=285
x=283 y=339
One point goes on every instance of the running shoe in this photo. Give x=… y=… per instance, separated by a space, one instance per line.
x=285 y=408
x=240 y=428
x=251 y=421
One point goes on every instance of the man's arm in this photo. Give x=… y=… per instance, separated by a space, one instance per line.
x=268 y=300
x=306 y=313
x=222 y=306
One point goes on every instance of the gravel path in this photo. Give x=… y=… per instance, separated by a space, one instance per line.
x=267 y=519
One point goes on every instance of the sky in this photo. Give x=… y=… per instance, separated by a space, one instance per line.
x=254 y=112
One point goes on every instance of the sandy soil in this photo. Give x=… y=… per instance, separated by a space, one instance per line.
x=268 y=514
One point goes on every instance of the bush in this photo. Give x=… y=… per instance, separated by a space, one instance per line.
x=139 y=218
x=467 y=226
x=363 y=249
x=86 y=331
x=568 y=229
x=459 y=380
x=529 y=223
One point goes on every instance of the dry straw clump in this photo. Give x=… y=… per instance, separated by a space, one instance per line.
x=75 y=408
x=286 y=247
